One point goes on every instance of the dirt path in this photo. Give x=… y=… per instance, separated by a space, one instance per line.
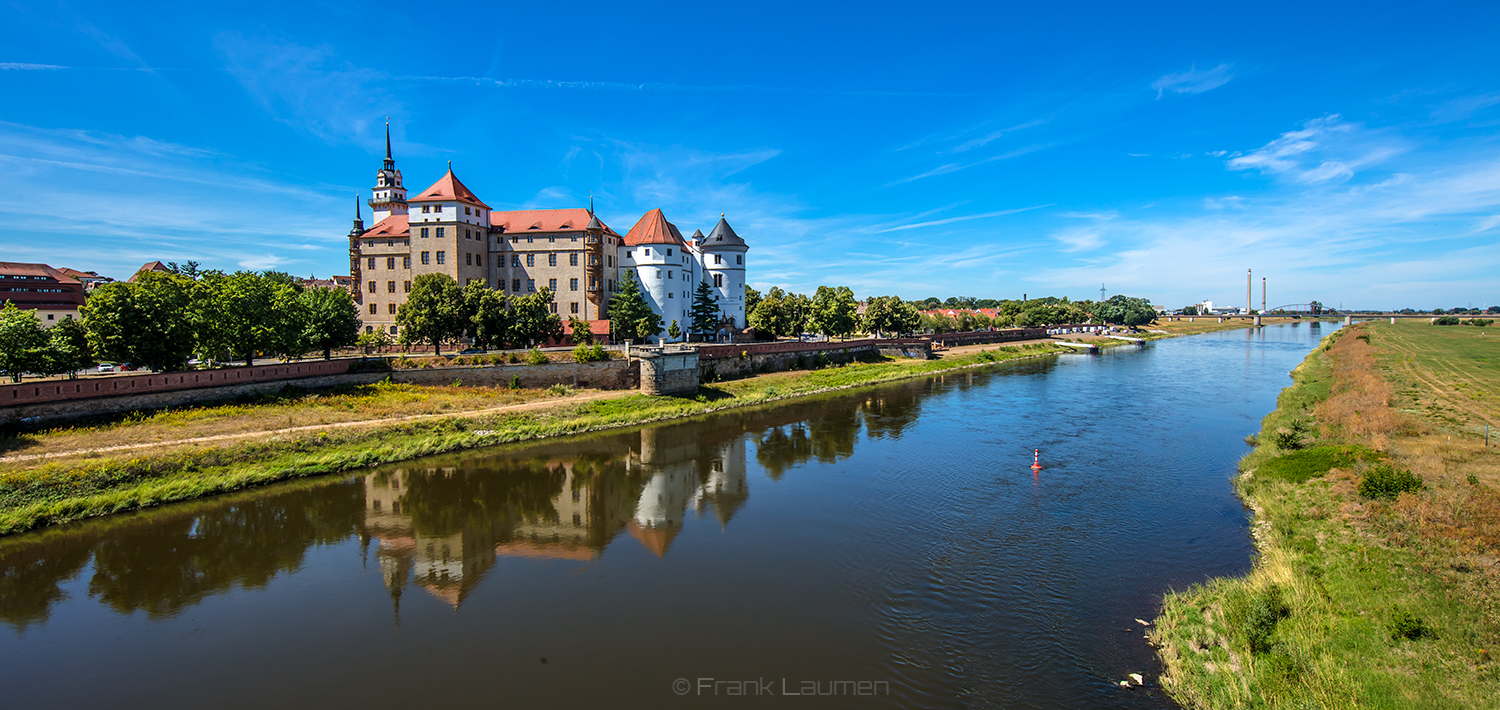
x=314 y=427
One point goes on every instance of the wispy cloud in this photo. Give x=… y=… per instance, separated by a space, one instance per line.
x=955 y=167
x=1193 y=81
x=549 y=84
x=990 y=137
x=308 y=88
x=965 y=218
x=23 y=66
x=1325 y=149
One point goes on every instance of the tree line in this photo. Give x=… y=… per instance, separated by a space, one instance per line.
x=163 y=318
x=1046 y=311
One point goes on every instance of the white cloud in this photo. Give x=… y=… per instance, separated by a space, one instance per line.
x=1323 y=150
x=23 y=66
x=308 y=88
x=965 y=218
x=1193 y=81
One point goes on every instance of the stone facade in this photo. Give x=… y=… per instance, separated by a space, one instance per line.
x=667 y=370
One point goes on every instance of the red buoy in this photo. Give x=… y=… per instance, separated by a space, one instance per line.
x=1036 y=460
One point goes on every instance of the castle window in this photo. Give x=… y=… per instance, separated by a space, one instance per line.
x=374 y=309
x=573 y=307
x=552 y=285
x=424 y=232
x=528 y=240
x=669 y=274
x=468 y=259
x=531 y=285
x=390 y=242
x=628 y=256
x=425 y=257
x=645 y=252
x=515 y=259
x=718 y=259
x=574 y=239
x=442 y=257
x=572 y=284
x=406 y=286
x=395 y=506
x=371 y=265
x=718 y=281
x=424 y=208
x=553 y=306
x=372 y=287
x=669 y=252
x=391 y=308
x=552 y=260
x=466 y=210
x=572 y=260
x=739 y=259
x=439 y=232
x=479 y=260
x=609 y=260
x=390 y=262
x=531 y=259
x=515 y=285
x=611 y=285
x=406 y=262
x=437 y=208
x=390 y=287
x=370 y=328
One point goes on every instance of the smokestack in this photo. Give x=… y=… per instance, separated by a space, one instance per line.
x=1249 y=292
x=1262 y=294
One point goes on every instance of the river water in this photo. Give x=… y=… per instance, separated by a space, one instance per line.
x=890 y=541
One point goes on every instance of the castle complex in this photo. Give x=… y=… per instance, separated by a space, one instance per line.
x=447 y=229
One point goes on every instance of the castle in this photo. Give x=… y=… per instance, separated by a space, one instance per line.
x=569 y=251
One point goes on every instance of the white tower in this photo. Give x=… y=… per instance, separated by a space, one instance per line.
x=388 y=197
x=664 y=266
x=723 y=254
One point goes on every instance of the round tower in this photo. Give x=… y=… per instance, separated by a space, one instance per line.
x=724 y=269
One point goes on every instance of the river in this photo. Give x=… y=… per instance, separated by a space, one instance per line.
x=890 y=544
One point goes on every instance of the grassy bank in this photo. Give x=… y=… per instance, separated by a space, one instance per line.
x=45 y=492
x=1362 y=594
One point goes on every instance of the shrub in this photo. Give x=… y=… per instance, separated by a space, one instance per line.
x=559 y=390
x=1300 y=466
x=1291 y=436
x=513 y=359
x=1406 y=625
x=515 y=382
x=1481 y=322
x=589 y=353
x=1255 y=614
x=1446 y=320
x=536 y=357
x=1386 y=482
x=1473 y=480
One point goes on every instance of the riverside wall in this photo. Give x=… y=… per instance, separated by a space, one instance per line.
x=82 y=402
x=718 y=362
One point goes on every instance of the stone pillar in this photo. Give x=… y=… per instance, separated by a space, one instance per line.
x=667 y=370
x=1348 y=320
x=1257 y=320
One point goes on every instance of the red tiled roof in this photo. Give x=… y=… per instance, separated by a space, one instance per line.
x=448 y=188
x=396 y=225
x=150 y=266
x=567 y=220
x=15 y=268
x=653 y=228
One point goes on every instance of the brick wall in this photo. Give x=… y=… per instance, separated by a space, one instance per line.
x=124 y=385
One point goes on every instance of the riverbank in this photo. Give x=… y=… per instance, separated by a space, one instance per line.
x=1362 y=594
x=39 y=492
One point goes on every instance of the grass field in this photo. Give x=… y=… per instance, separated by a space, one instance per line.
x=39 y=492
x=1357 y=601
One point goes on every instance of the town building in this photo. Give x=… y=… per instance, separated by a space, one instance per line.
x=54 y=295
x=447 y=229
x=90 y=279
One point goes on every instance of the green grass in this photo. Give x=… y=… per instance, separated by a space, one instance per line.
x=1341 y=609
x=48 y=494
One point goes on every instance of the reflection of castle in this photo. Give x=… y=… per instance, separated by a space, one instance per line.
x=441 y=529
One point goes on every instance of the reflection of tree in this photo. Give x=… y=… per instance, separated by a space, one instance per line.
x=169 y=567
x=888 y=412
x=29 y=589
x=781 y=448
x=442 y=503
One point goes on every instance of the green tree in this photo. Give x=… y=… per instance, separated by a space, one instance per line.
x=1190 y=310
x=889 y=314
x=486 y=313
x=332 y=319
x=534 y=322
x=70 y=342
x=24 y=344
x=752 y=299
x=834 y=312
x=770 y=313
x=238 y=314
x=630 y=317
x=704 y=316
x=147 y=322
x=579 y=328
x=190 y=269
x=372 y=339
x=433 y=311
x=1125 y=310
x=673 y=331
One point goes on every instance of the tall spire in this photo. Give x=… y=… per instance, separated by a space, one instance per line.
x=357 y=216
x=390 y=163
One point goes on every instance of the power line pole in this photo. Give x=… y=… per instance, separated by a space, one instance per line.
x=1101 y=292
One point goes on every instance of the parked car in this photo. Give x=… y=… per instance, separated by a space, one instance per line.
x=106 y=367
x=472 y=351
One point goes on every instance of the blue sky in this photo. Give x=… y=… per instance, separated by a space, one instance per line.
x=1347 y=152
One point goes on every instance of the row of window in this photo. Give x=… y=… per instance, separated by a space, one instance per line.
x=439 y=209
x=388 y=242
x=35 y=290
x=391 y=309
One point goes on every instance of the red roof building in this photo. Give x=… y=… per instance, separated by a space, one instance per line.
x=448 y=188
x=653 y=228
x=41 y=288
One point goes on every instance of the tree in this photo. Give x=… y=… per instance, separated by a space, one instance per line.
x=1125 y=310
x=834 y=312
x=704 y=316
x=486 y=314
x=332 y=319
x=630 y=317
x=673 y=331
x=889 y=314
x=238 y=314
x=770 y=314
x=147 y=322
x=534 y=322
x=372 y=339
x=23 y=342
x=70 y=342
x=190 y=269
x=1317 y=308
x=1190 y=310
x=432 y=312
x=752 y=299
x=581 y=335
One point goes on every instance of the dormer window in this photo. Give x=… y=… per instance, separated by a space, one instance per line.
x=645 y=252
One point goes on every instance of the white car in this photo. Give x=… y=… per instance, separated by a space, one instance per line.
x=106 y=367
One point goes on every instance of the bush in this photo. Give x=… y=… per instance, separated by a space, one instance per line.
x=1446 y=320
x=515 y=382
x=1386 y=482
x=1300 y=466
x=513 y=359
x=1481 y=322
x=559 y=390
x=1255 y=614
x=1406 y=625
x=590 y=353
x=536 y=357
x=1290 y=437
